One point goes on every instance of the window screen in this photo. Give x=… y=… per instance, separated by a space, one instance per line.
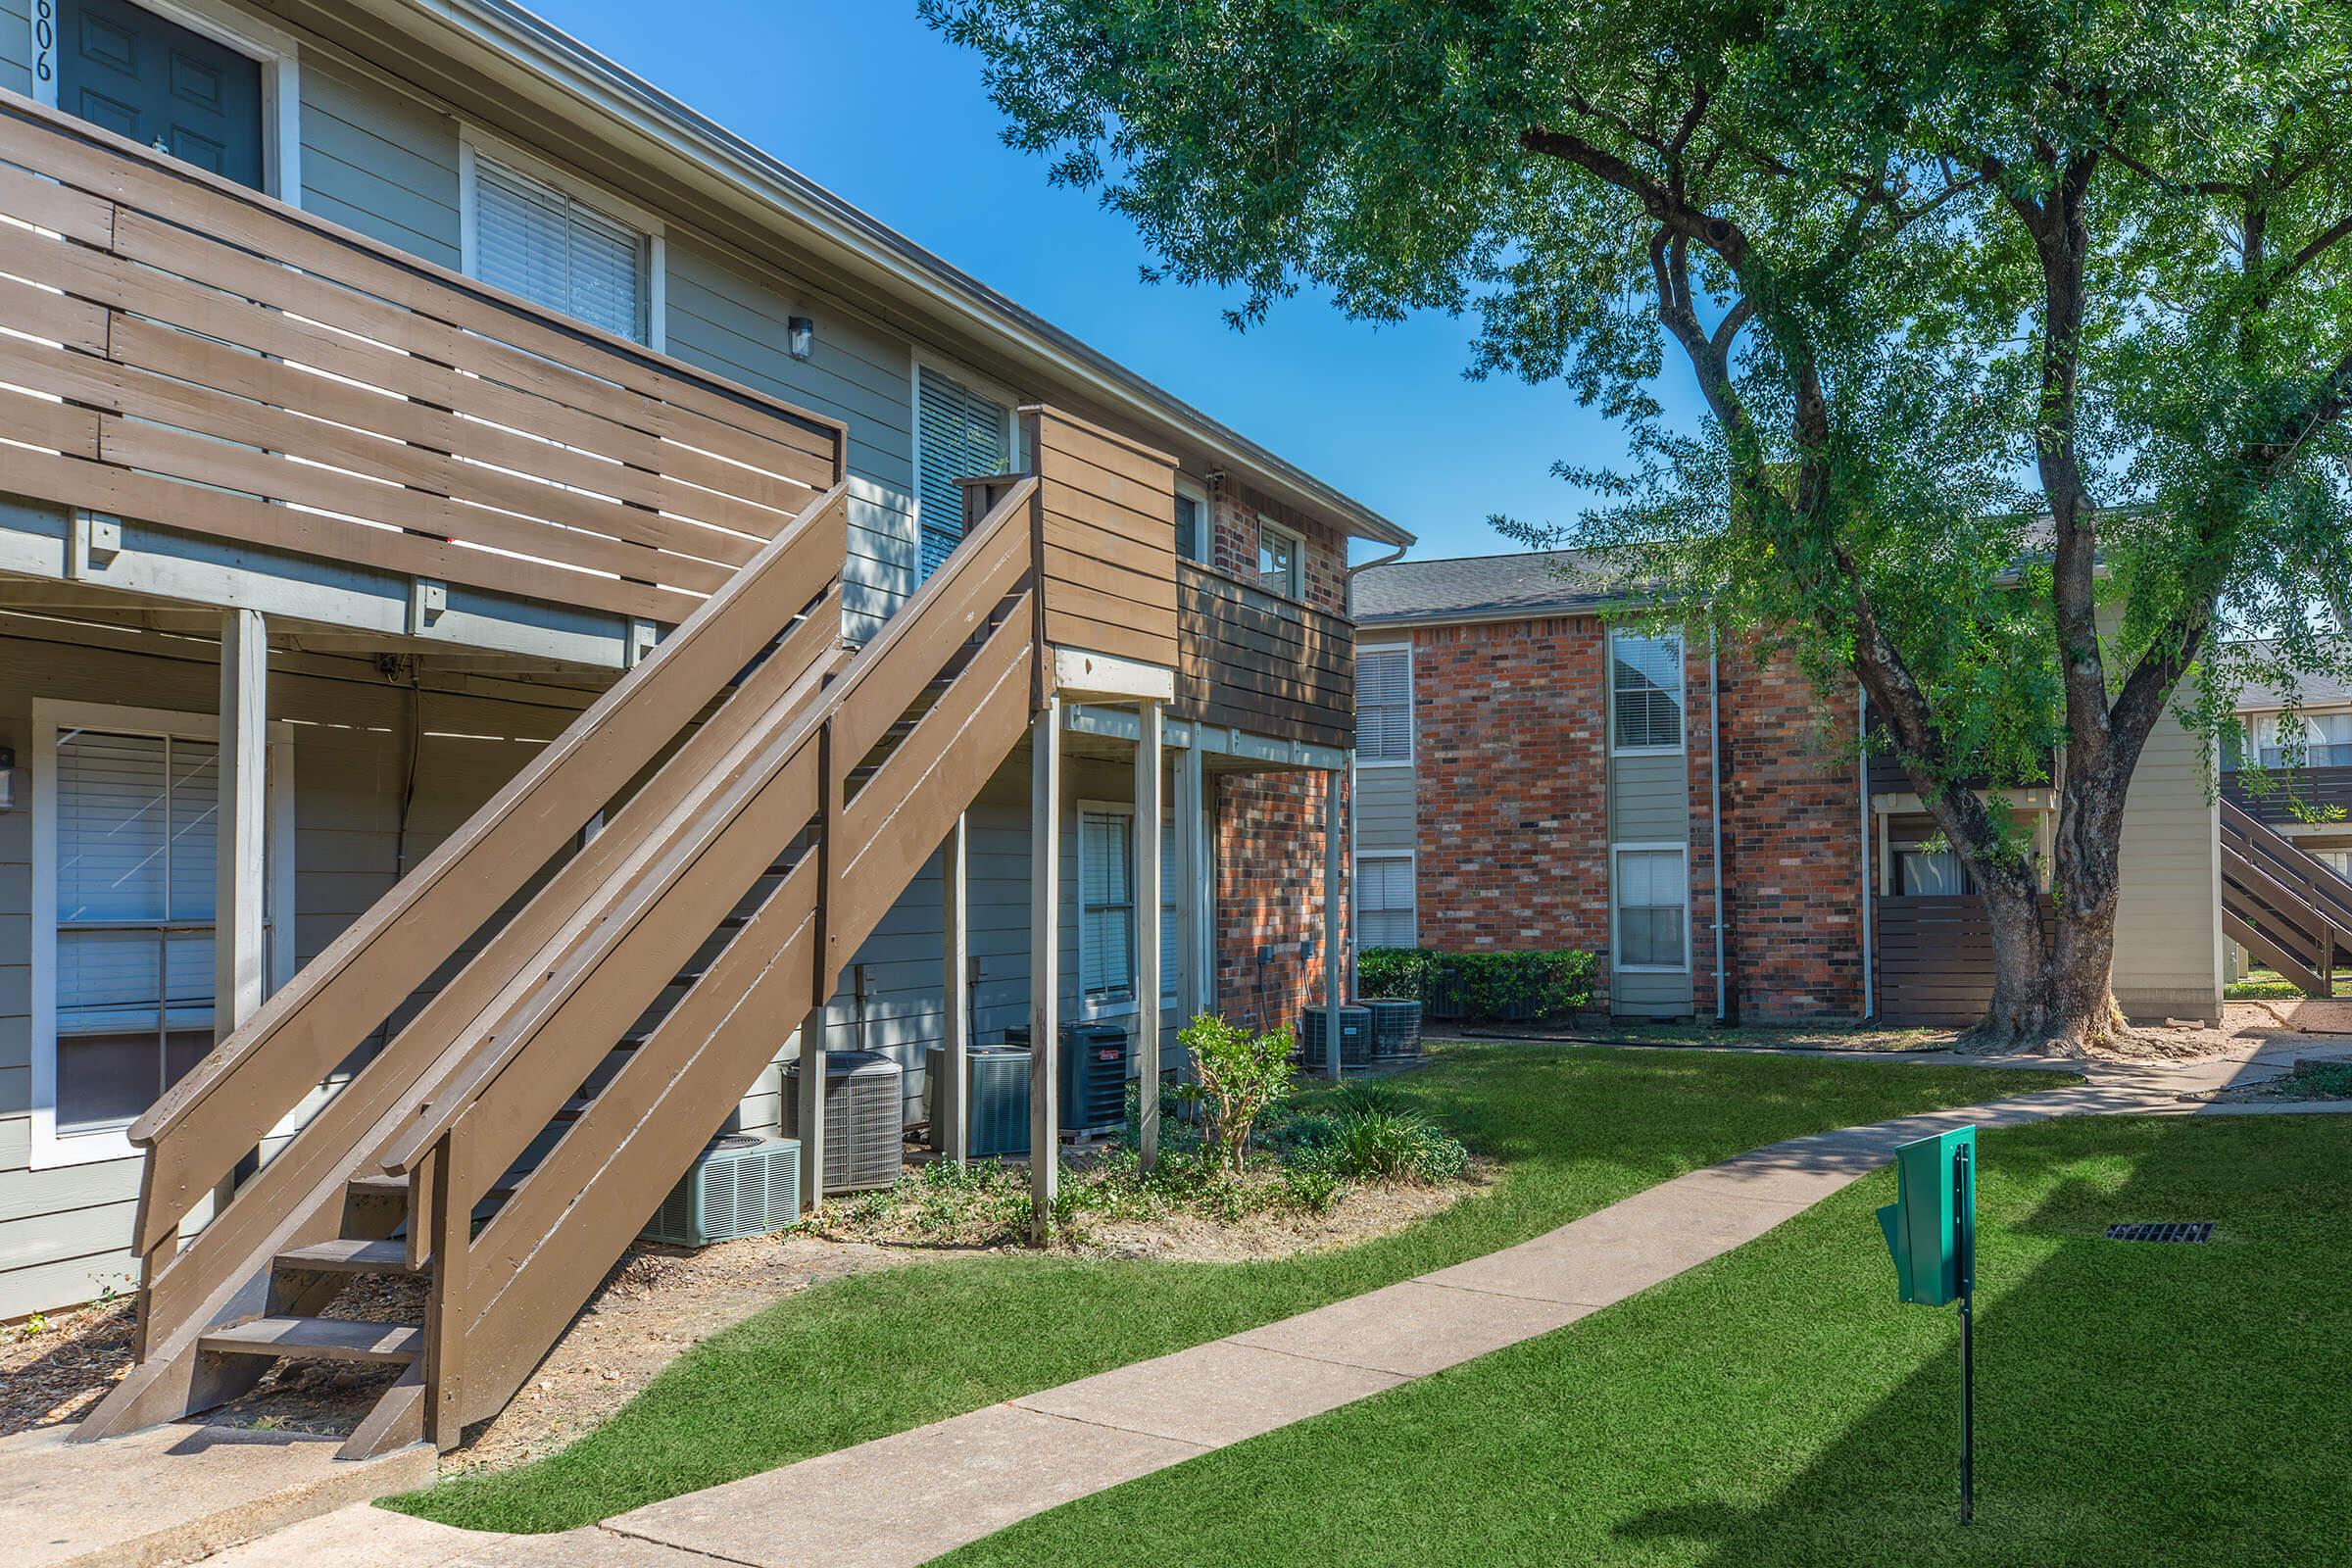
x=1107 y=906
x=1650 y=905
x=1383 y=901
x=135 y=818
x=1646 y=687
x=533 y=240
x=1384 y=705
x=959 y=435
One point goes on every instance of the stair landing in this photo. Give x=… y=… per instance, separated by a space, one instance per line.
x=175 y=1492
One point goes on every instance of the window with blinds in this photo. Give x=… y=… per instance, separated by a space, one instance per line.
x=536 y=241
x=1191 y=525
x=1645 y=692
x=1383 y=901
x=134 y=823
x=1652 y=899
x=1384 y=705
x=1107 y=908
x=958 y=434
x=1281 y=563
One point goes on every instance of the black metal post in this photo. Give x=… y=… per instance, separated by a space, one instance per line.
x=1966 y=1251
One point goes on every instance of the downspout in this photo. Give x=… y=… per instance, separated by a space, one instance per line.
x=1870 y=993
x=1715 y=814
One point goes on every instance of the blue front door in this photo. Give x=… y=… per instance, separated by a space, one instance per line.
x=151 y=79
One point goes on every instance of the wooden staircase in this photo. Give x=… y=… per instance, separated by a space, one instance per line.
x=2281 y=904
x=766 y=794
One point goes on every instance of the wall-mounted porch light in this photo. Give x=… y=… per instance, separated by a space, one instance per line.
x=803 y=335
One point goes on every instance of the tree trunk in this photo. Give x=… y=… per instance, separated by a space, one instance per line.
x=2054 y=991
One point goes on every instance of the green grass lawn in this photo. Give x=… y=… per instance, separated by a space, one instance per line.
x=2267 y=985
x=2137 y=1404
x=1771 y=1037
x=861 y=1357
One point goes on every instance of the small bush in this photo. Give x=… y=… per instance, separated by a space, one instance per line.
x=1241 y=1076
x=1313 y=1188
x=1480 y=987
x=1387 y=1146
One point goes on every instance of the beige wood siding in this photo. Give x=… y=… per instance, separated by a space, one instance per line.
x=2168 y=935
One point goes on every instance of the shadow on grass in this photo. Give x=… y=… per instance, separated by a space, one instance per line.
x=2137 y=1403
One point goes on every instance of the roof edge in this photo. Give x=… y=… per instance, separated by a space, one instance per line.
x=573 y=66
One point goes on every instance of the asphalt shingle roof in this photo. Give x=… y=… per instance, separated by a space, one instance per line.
x=1526 y=582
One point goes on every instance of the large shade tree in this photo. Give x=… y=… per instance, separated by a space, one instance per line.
x=2023 y=330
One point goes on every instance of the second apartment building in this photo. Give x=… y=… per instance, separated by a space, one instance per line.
x=1530 y=776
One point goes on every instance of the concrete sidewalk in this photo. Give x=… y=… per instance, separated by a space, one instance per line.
x=906 y=1498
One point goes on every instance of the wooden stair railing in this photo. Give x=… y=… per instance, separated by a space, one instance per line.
x=2283 y=904
x=196 y=1133
x=501 y=1297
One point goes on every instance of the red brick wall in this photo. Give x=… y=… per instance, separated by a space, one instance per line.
x=1237 y=509
x=1269 y=887
x=1510 y=751
x=1792 y=848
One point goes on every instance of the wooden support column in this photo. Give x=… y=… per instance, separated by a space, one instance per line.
x=240 y=891
x=811 y=1110
x=1195 y=990
x=1335 y=846
x=1148 y=754
x=952 y=1135
x=1045 y=965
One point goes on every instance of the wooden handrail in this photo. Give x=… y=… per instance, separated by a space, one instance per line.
x=703 y=857
x=196 y=1133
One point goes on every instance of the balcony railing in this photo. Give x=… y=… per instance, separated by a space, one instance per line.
x=195 y=355
x=1261 y=662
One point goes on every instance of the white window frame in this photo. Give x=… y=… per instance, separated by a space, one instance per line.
x=1682 y=650
x=273 y=48
x=1205 y=545
x=1088 y=1007
x=995 y=391
x=50 y=1148
x=1617 y=908
x=1412 y=728
x=475 y=143
x=1297 y=589
x=1412 y=873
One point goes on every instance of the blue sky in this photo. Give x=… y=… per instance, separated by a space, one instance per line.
x=868 y=102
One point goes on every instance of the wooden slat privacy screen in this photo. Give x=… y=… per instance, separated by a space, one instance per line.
x=1935 y=958
x=1262 y=662
x=1109 y=507
x=212 y=360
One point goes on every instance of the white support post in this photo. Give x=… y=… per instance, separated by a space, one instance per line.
x=811 y=1110
x=1045 y=967
x=1335 y=843
x=955 y=1020
x=240 y=894
x=1147 y=930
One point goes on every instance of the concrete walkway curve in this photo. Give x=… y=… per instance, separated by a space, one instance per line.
x=904 y=1499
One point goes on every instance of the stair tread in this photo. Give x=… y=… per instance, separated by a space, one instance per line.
x=323 y=1337
x=344 y=1254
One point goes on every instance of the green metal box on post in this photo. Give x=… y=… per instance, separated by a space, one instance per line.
x=1931 y=1229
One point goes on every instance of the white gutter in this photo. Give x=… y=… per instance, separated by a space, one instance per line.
x=547 y=52
x=1715 y=792
x=1870 y=996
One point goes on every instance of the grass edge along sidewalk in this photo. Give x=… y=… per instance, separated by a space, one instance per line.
x=1573 y=1129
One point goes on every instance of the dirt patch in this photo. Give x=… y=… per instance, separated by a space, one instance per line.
x=56 y=1371
x=1360 y=1214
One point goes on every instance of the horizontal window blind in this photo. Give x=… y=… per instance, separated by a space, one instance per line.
x=534 y=240
x=959 y=435
x=1645 y=685
x=1383 y=901
x=1107 y=906
x=1384 y=706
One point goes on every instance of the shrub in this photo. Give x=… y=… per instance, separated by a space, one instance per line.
x=1388 y=1145
x=1313 y=1188
x=1241 y=1076
x=1480 y=987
